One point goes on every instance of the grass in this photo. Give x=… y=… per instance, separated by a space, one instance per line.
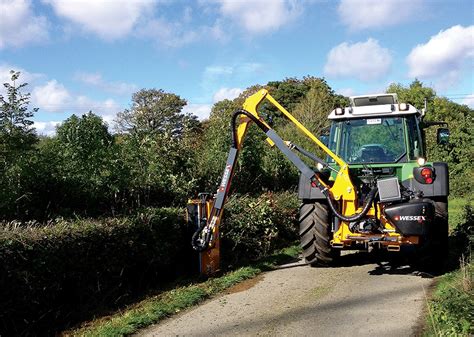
x=451 y=307
x=456 y=211
x=166 y=304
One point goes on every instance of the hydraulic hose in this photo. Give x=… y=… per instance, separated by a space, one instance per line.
x=324 y=190
x=199 y=242
x=195 y=241
x=355 y=217
x=234 y=124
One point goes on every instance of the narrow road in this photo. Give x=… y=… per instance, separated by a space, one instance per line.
x=368 y=299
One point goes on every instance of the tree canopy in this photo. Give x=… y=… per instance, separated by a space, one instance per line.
x=160 y=156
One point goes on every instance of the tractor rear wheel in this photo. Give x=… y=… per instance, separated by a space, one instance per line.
x=434 y=251
x=315 y=234
x=440 y=233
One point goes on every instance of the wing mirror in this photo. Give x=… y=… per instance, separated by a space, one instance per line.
x=442 y=136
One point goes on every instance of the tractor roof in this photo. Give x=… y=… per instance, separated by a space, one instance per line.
x=367 y=106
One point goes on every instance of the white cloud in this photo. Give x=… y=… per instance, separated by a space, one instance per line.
x=239 y=70
x=108 y=19
x=469 y=101
x=260 y=16
x=82 y=104
x=19 y=26
x=443 y=55
x=54 y=97
x=202 y=111
x=46 y=128
x=25 y=76
x=363 y=60
x=176 y=34
x=218 y=70
x=226 y=93
x=363 y=14
x=346 y=92
x=96 y=80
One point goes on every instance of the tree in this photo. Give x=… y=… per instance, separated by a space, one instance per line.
x=17 y=140
x=415 y=94
x=157 y=147
x=154 y=111
x=459 y=153
x=86 y=154
x=16 y=133
x=216 y=142
x=460 y=150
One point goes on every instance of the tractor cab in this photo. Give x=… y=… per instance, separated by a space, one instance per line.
x=376 y=130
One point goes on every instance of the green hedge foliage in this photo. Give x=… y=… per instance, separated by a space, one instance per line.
x=54 y=276
x=57 y=275
x=253 y=227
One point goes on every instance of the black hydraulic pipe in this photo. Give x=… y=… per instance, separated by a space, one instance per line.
x=195 y=242
x=305 y=170
x=354 y=217
x=202 y=245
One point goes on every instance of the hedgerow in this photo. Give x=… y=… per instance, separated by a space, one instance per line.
x=54 y=276
x=253 y=226
x=65 y=272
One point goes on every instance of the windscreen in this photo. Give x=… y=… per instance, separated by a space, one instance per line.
x=374 y=140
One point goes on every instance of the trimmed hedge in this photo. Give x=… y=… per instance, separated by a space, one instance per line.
x=54 y=276
x=254 y=227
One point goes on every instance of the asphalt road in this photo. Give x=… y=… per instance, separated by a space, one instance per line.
x=362 y=298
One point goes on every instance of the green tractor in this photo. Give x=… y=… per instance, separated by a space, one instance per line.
x=383 y=143
x=375 y=189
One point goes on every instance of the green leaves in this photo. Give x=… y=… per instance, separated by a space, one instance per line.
x=460 y=151
x=255 y=226
x=17 y=140
x=154 y=111
x=55 y=275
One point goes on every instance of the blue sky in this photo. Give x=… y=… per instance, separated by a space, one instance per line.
x=81 y=55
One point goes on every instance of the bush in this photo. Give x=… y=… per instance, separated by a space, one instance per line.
x=54 y=276
x=253 y=227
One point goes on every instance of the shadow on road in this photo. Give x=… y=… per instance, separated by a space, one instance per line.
x=400 y=263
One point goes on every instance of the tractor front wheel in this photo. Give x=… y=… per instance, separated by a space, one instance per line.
x=315 y=234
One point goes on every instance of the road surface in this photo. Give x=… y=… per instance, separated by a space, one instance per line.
x=362 y=298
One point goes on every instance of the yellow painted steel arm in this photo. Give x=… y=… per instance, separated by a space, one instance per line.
x=343 y=186
x=341 y=189
x=305 y=131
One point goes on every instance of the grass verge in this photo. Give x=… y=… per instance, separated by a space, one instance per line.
x=156 y=308
x=451 y=306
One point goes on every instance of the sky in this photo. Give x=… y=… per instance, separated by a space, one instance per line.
x=81 y=55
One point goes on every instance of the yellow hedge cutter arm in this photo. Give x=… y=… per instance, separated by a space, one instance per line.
x=342 y=191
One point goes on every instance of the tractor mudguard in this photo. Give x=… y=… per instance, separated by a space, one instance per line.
x=439 y=187
x=307 y=192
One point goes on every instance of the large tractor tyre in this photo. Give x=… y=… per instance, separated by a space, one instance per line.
x=434 y=252
x=440 y=233
x=315 y=234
